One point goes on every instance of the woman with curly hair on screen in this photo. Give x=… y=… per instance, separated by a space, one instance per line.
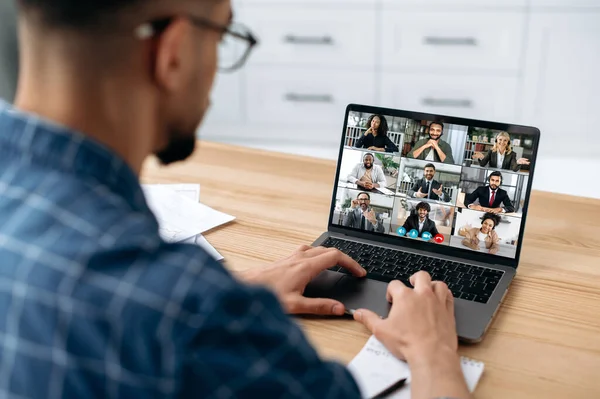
x=483 y=238
x=375 y=137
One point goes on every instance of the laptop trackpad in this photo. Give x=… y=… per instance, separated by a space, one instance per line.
x=357 y=293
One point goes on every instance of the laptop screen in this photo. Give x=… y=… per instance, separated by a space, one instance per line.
x=457 y=185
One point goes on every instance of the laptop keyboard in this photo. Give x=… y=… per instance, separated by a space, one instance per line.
x=469 y=282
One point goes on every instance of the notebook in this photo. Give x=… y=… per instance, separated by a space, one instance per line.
x=375 y=369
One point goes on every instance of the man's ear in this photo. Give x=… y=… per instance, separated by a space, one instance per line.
x=169 y=55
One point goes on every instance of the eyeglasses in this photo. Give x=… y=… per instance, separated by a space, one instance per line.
x=236 y=43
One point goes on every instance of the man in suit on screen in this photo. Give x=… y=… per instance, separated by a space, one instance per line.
x=490 y=198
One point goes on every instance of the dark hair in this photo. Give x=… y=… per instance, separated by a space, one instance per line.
x=437 y=123
x=75 y=13
x=368 y=153
x=429 y=165
x=423 y=205
x=383 y=125
x=81 y=13
x=367 y=194
x=497 y=174
x=493 y=217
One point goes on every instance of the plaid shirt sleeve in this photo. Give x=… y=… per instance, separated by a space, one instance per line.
x=248 y=347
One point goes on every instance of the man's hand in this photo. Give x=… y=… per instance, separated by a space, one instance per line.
x=354 y=203
x=495 y=210
x=368 y=185
x=370 y=216
x=438 y=192
x=433 y=143
x=420 y=194
x=476 y=207
x=421 y=329
x=289 y=277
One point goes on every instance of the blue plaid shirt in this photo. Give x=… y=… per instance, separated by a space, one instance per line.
x=94 y=304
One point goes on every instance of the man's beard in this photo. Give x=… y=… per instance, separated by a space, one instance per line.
x=179 y=148
x=439 y=137
x=368 y=166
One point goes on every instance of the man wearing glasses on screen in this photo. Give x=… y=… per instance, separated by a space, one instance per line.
x=94 y=303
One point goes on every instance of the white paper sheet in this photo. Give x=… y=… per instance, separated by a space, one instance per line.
x=180 y=217
x=375 y=369
x=204 y=244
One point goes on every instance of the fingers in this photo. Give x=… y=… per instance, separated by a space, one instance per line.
x=394 y=288
x=329 y=257
x=441 y=291
x=303 y=248
x=317 y=306
x=421 y=281
x=343 y=260
x=367 y=318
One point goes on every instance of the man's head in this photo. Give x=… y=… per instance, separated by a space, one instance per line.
x=423 y=210
x=152 y=52
x=364 y=201
x=429 y=171
x=495 y=180
x=489 y=221
x=436 y=129
x=368 y=160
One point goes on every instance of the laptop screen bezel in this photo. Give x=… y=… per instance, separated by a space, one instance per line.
x=430 y=247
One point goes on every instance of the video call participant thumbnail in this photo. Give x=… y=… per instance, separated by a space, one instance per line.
x=483 y=238
x=362 y=216
x=375 y=137
x=501 y=156
x=367 y=175
x=427 y=187
x=433 y=149
x=490 y=198
x=419 y=220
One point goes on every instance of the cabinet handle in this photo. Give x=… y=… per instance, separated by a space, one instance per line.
x=309 y=98
x=450 y=41
x=311 y=40
x=448 y=102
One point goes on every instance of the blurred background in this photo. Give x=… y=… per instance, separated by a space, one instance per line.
x=532 y=62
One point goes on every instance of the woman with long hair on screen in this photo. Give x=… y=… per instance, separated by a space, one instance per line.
x=375 y=137
x=501 y=156
x=483 y=238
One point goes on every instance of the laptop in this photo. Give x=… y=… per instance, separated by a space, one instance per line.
x=438 y=193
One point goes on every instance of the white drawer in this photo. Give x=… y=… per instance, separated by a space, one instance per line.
x=427 y=41
x=326 y=37
x=310 y=2
x=455 y=3
x=491 y=98
x=565 y=3
x=304 y=98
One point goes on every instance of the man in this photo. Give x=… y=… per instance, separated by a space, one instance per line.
x=8 y=50
x=362 y=215
x=490 y=198
x=420 y=221
x=92 y=302
x=367 y=175
x=433 y=149
x=427 y=187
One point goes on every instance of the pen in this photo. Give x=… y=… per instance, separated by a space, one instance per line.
x=391 y=389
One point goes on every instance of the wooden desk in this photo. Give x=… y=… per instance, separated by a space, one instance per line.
x=545 y=341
